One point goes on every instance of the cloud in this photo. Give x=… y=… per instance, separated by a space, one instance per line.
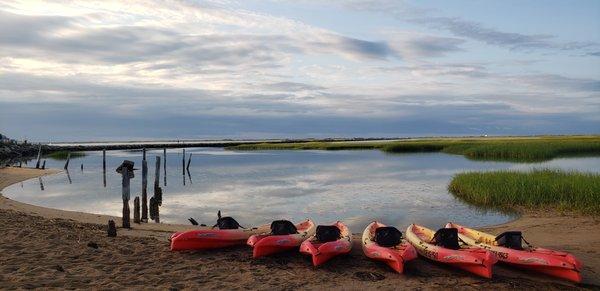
x=463 y=28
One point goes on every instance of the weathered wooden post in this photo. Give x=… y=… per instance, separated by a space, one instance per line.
x=41 y=183
x=104 y=167
x=112 y=229
x=183 y=163
x=44 y=165
x=126 y=171
x=157 y=173
x=68 y=176
x=144 y=187
x=82 y=167
x=165 y=165
x=136 y=210
x=68 y=159
x=39 y=156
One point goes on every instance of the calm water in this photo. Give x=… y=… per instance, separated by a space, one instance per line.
x=257 y=187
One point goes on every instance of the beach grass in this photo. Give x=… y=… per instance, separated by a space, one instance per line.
x=535 y=190
x=517 y=149
x=62 y=155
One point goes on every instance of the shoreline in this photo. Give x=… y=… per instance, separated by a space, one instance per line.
x=542 y=229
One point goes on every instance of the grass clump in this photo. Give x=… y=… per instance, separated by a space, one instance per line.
x=62 y=155
x=534 y=190
x=516 y=149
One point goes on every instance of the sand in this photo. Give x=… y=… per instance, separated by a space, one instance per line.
x=55 y=249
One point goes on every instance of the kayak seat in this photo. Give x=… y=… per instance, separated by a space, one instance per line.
x=387 y=236
x=510 y=239
x=447 y=238
x=283 y=227
x=226 y=222
x=327 y=233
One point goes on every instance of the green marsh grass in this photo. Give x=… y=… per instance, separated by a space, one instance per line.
x=534 y=190
x=517 y=149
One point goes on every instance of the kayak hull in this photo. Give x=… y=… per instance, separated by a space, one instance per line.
x=394 y=257
x=267 y=244
x=323 y=252
x=471 y=259
x=201 y=239
x=554 y=263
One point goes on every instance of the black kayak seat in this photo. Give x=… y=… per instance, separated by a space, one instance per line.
x=327 y=233
x=510 y=239
x=447 y=238
x=387 y=236
x=283 y=227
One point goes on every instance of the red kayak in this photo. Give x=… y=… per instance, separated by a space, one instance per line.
x=328 y=242
x=395 y=254
x=555 y=263
x=278 y=241
x=443 y=246
x=213 y=238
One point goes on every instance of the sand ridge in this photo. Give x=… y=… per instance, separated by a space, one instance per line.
x=48 y=248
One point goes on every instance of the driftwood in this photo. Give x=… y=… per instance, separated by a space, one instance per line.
x=136 y=210
x=112 y=228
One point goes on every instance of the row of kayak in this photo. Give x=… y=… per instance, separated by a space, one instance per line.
x=455 y=245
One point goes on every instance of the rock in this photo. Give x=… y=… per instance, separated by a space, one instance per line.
x=92 y=245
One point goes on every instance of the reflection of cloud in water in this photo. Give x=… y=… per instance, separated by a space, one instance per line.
x=257 y=187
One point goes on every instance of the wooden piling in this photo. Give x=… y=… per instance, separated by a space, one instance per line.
x=125 y=195
x=144 y=187
x=157 y=173
x=68 y=159
x=39 y=156
x=44 y=165
x=165 y=165
x=112 y=229
x=82 y=167
x=183 y=163
x=136 y=210
x=104 y=167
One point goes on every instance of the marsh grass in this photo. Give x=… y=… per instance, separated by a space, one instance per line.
x=518 y=149
x=62 y=155
x=534 y=190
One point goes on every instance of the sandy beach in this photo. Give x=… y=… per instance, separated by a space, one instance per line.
x=52 y=249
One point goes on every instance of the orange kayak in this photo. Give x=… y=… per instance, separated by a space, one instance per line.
x=200 y=239
x=395 y=256
x=472 y=259
x=554 y=263
x=322 y=252
x=266 y=244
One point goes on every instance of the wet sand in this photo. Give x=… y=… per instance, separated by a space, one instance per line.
x=48 y=248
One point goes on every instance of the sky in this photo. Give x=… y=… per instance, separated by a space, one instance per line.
x=125 y=70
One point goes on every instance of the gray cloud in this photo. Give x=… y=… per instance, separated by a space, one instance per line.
x=465 y=28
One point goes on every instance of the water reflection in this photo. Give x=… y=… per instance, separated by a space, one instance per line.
x=257 y=187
